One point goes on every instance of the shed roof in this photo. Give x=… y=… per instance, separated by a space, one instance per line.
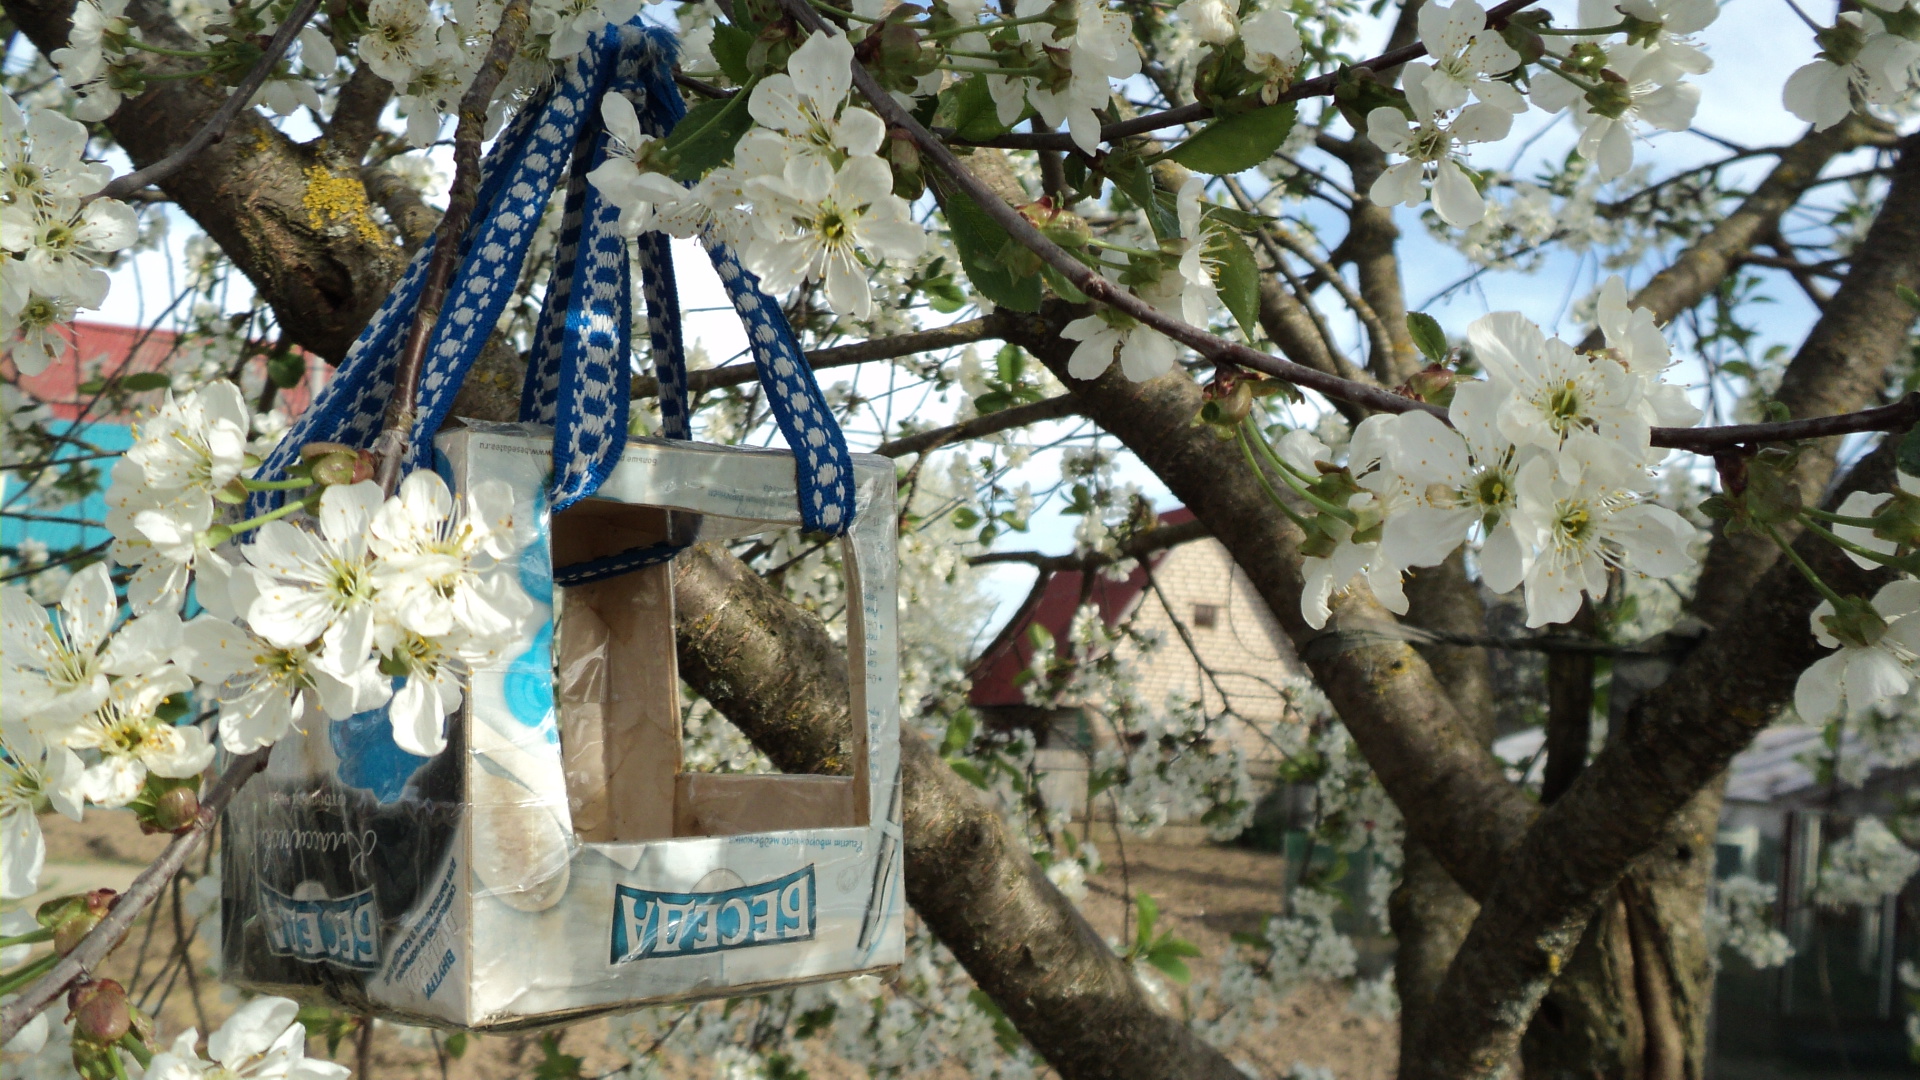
x=1055 y=597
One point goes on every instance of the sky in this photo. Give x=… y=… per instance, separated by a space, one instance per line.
x=1755 y=45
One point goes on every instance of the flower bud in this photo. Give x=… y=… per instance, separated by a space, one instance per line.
x=71 y=918
x=1898 y=519
x=315 y=450
x=100 y=1011
x=336 y=468
x=1612 y=97
x=1841 y=42
x=1855 y=622
x=1434 y=385
x=166 y=804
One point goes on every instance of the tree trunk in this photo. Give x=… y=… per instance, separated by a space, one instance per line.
x=1633 y=1001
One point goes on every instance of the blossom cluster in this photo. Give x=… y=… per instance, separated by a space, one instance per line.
x=1548 y=461
x=56 y=238
x=1624 y=64
x=1866 y=867
x=1740 y=918
x=368 y=602
x=262 y=1040
x=807 y=198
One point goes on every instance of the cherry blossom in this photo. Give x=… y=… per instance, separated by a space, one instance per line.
x=1876 y=645
x=57 y=670
x=34 y=774
x=1273 y=47
x=1428 y=146
x=818 y=231
x=322 y=587
x=132 y=740
x=1582 y=515
x=1859 y=56
x=1464 y=53
x=438 y=562
x=262 y=1040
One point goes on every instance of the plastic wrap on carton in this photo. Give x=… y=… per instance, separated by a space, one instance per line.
x=525 y=876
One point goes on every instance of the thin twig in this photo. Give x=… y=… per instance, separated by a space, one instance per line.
x=391 y=445
x=860 y=352
x=1219 y=350
x=217 y=124
x=704 y=89
x=102 y=939
x=978 y=427
x=1139 y=546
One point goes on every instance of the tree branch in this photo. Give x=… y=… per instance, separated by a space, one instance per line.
x=1842 y=365
x=1053 y=408
x=1138 y=546
x=216 y=126
x=92 y=951
x=772 y=670
x=887 y=348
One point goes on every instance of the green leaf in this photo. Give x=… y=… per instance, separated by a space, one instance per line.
x=965 y=517
x=1132 y=177
x=92 y=386
x=704 y=138
x=1147 y=912
x=1237 y=218
x=1428 y=336
x=1238 y=280
x=959 y=734
x=970 y=773
x=1010 y=364
x=1907 y=457
x=1175 y=968
x=1063 y=288
x=555 y=1065
x=145 y=380
x=1911 y=298
x=1040 y=637
x=730 y=45
x=455 y=1044
x=286 y=369
x=975 y=115
x=979 y=239
x=1236 y=143
x=1167 y=955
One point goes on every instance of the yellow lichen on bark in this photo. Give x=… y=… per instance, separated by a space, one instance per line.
x=339 y=200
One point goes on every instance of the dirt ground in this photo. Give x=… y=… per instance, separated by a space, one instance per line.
x=1205 y=893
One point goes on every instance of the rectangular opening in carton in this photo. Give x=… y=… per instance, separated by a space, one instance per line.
x=616 y=689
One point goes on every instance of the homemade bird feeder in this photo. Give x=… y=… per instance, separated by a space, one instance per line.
x=556 y=860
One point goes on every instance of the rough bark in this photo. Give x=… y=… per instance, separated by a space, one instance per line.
x=1429 y=912
x=295 y=222
x=772 y=669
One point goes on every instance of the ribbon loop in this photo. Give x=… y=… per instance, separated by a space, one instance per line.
x=580 y=366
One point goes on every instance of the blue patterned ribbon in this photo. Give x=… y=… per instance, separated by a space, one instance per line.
x=580 y=365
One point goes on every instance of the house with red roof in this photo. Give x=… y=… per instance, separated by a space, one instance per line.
x=1218 y=644
x=92 y=427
